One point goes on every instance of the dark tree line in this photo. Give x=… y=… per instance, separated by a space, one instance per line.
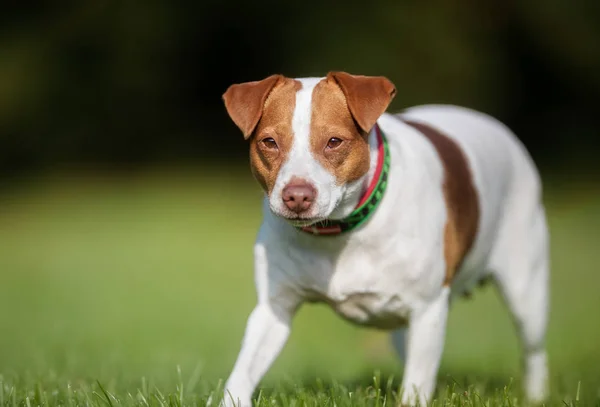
x=126 y=83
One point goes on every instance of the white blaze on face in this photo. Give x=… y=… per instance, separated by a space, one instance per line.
x=302 y=164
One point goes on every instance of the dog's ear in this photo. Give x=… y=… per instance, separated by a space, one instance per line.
x=245 y=101
x=367 y=96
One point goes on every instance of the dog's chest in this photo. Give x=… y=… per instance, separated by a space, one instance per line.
x=360 y=288
x=374 y=309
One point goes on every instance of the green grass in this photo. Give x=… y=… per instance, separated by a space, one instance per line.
x=135 y=291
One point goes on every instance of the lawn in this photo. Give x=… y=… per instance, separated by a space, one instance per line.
x=135 y=289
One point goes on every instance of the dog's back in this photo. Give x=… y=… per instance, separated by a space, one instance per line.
x=507 y=183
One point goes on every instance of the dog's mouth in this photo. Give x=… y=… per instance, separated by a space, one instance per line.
x=311 y=217
x=300 y=223
x=302 y=220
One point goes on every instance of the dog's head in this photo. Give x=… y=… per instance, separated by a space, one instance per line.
x=309 y=146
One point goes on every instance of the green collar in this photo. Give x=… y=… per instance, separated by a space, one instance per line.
x=368 y=203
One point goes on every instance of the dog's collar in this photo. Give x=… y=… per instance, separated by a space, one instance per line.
x=369 y=201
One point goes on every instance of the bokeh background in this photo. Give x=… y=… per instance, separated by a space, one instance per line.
x=128 y=212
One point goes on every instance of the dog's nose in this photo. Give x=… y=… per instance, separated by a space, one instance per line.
x=298 y=196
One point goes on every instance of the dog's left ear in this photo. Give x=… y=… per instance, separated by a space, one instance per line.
x=245 y=102
x=367 y=96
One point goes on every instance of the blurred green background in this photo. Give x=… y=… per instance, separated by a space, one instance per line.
x=127 y=209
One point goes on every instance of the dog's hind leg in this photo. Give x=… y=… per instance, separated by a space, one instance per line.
x=521 y=270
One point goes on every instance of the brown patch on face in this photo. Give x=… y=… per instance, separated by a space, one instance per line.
x=331 y=118
x=275 y=124
x=461 y=198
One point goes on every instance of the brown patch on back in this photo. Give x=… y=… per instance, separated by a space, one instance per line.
x=461 y=198
x=331 y=117
x=275 y=122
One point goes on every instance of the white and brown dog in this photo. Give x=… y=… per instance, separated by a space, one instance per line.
x=386 y=218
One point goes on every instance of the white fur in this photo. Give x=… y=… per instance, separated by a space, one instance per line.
x=390 y=273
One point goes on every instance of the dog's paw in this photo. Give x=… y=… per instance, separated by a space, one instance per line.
x=229 y=400
x=412 y=399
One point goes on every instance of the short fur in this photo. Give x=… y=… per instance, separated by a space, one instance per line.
x=463 y=204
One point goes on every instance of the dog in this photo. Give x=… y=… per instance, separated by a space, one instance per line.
x=386 y=218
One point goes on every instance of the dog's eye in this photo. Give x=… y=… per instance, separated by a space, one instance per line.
x=269 y=143
x=334 y=142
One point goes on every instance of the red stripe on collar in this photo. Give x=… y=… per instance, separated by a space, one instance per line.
x=378 y=169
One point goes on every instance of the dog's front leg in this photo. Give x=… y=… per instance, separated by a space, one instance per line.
x=266 y=332
x=425 y=343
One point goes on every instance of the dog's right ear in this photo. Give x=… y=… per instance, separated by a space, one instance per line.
x=367 y=96
x=245 y=101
